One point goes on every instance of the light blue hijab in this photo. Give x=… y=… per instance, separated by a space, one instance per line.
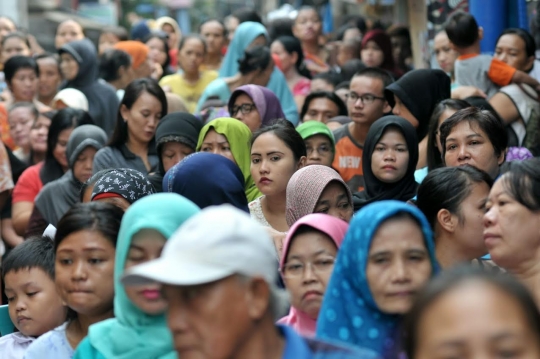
x=243 y=37
x=360 y=322
x=133 y=334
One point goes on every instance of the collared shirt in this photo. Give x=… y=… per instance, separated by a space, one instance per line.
x=297 y=347
x=13 y=346
x=122 y=157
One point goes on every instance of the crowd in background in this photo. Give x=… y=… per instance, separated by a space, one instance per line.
x=264 y=190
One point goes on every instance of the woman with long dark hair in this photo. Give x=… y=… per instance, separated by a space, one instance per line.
x=132 y=143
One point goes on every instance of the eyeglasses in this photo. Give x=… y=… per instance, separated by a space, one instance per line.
x=366 y=99
x=245 y=108
x=322 y=149
x=296 y=269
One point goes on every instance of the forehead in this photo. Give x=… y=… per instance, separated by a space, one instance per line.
x=213 y=136
x=269 y=141
x=22 y=276
x=398 y=233
x=47 y=61
x=20 y=112
x=212 y=26
x=511 y=40
x=472 y=310
x=85 y=240
x=243 y=97
x=310 y=240
x=365 y=84
x=441 y=39
x=69 y=26
x=193 y=41
x=322 y=103
x=466 y=128
x=13 y=41
x=392 y=134
x=307 y=13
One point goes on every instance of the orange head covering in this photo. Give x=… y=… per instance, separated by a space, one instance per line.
x=136 y=49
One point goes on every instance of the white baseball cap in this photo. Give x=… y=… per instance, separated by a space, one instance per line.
x=217 y=242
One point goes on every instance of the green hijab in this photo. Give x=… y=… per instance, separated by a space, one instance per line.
x=133 y=333
x=239 y=137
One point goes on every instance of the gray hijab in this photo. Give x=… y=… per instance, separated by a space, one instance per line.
x=58 y=196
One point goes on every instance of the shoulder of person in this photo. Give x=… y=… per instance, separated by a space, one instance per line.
x=327 y=350
x=48 y=345
x=165 y=80
x=340 y=132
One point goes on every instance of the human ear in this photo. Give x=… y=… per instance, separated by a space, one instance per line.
x=447 y=220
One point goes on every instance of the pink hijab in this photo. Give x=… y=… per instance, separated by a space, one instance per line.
x=334 y=228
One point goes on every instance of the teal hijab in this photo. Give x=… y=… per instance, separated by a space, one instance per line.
x=243 y=37
x=133 y=333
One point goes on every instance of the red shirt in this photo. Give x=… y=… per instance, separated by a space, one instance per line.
x=28 y=185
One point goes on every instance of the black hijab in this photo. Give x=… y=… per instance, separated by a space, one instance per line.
x=375 y=190
x=420 y=91
x=181 y=127
x=102 y=100
x=58 y=196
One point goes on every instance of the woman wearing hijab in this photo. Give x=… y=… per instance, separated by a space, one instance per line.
x=255 y=105
x=139 y=328
x=315 y=238
x=79 y=66
x=140 y=63
x=121 y=187
x=320 y=143
x=230 y=138
x=389 y=162
x=249 y=34
x=369 y=271
x=414 y=97
x=208 y=180
x=57 y=197
x=176 y=137
x=318 y=189
x=174 y=36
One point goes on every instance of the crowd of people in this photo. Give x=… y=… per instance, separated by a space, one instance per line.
x=264 y=190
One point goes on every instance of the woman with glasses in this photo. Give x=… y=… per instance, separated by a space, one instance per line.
x=322 y=106
x=387 y=257
x=255 y=105
x=306 y=264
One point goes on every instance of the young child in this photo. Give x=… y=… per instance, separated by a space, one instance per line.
x=34 y=305
x=473 y=69
x=84 y=244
